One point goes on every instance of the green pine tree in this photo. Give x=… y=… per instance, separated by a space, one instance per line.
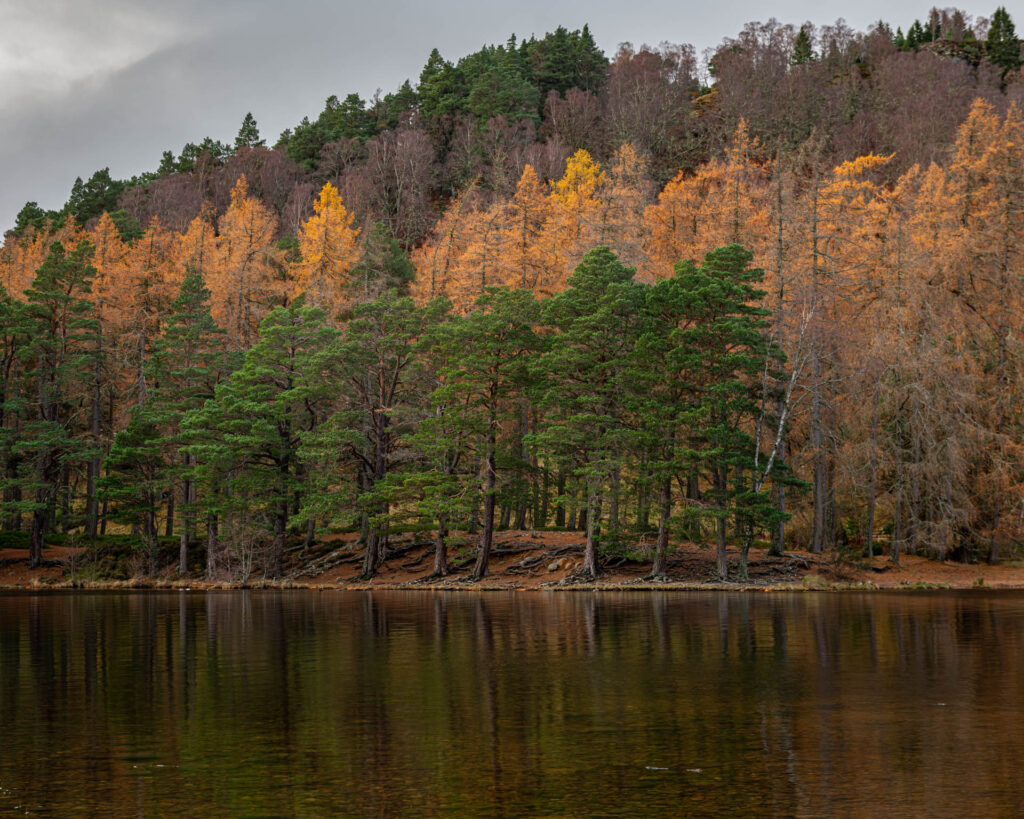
x=245 y=440
x=248 y=134
x=723 y=348
x=59 y=325
x=1002 y=47
x=803 y=48
x=585 y=378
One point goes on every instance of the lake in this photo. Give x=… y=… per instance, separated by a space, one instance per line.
x=266 y=703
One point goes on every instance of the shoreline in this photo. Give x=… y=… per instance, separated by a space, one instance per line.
x=817 y=584
x=523 y=561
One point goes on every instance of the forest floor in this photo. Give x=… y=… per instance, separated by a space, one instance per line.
x=538 y=560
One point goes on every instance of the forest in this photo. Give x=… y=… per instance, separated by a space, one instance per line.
x=767 y=299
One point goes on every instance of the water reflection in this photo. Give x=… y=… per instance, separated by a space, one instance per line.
x=509 y=704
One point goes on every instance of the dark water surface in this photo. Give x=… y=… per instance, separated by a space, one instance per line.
x=530 y=704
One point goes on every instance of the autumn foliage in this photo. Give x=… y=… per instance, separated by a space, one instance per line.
x=895 y=292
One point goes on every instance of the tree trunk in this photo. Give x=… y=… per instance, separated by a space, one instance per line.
x=149 y=535
x=277 y=548
x=188 y=518
x=869 y=529
x=664 y=517
x=613 y=502
x=778 y=544
x=441 y=548
x=91 y=500
x=820 y=471
x=212 y=546
x=897 y=528
x=721 y=479
x=169 y=528
x=748 y=540
x=590 y=554
x=371 y=557
x=560 y=508
x=487 y=528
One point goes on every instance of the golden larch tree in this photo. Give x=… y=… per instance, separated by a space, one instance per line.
x=327 y=245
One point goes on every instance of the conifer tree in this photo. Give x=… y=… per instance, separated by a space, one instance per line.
x=586 y=375
x=803 y=49
x=1002 y=47
x=248 y=134
x=59 y=326
x=187 y=362
x=246 y=439
x=724 y=350
x=485 y=356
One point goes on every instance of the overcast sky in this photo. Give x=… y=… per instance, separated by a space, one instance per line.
x=88 y=84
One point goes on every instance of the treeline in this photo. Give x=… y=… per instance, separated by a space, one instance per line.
x=397 y=159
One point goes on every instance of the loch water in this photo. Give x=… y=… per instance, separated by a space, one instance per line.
x=350 y=703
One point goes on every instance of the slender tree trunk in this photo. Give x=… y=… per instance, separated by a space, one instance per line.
x=590 y=553
x=65 y=499
x=149 y=535
x=897 y=528
x=747 y=542
x=643 y=511
x=487 y=528
x=721 y=479
x=570 y=522
x=91 y=501
x=693 y=496
x=540 y=517
x=188 y=517
x=169 y=528
x=869 y=531
x=35 y=540
x=778 y=540
x=560 y=491
x=721 y=555
x=820 y=471
x=277 y=548
x=212 y=546
x=664 y=517
x=541 y=486
x=778 y=544
x=613 y=501
x=524 y=454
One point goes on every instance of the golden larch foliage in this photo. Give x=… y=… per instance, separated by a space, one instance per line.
x=244 y=282
x=327 y=244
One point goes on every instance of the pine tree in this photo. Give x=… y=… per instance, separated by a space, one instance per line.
x=59 y=325
x=187 y=362
x=803 y=49
x=724 y=350
x=249 y=134
x=484 y=370
x=585 y=377
x=1002 y=47
x=12 y=407
x=381 y=378
x=246 y=439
